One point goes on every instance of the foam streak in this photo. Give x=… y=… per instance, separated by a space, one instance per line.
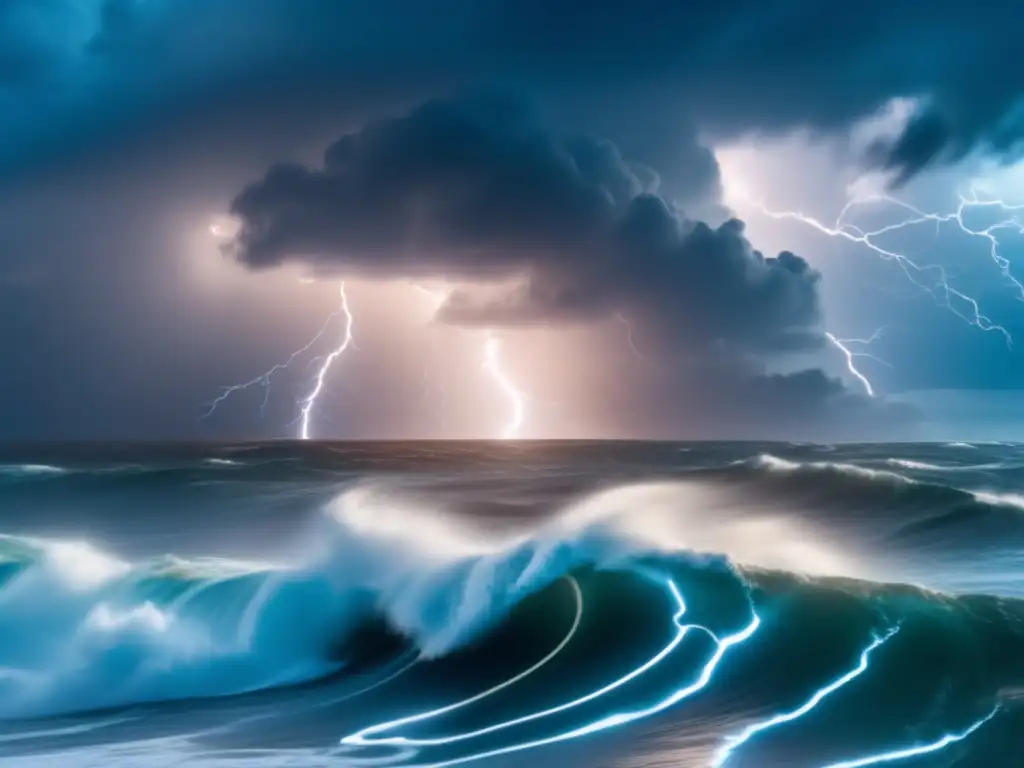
x=916 y=751
x=625 y=717
x=682 y=630
x=735 y=742
x=365 y=736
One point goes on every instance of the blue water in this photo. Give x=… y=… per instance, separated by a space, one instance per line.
x=563 y=604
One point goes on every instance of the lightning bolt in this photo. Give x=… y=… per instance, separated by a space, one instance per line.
x=264 y=379
x=492 y=364
x=735 y=742
x=721 y=647
x=940 y=289
x=629 y=334
x=307 y=404
x=1013 y=222
x=843 y=346
x=915 y=751
x=869 y=340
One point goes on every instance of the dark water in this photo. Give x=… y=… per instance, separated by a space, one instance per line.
x=568 y=604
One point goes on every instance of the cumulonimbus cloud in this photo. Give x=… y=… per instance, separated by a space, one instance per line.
x=468 y=192
x=477 y=191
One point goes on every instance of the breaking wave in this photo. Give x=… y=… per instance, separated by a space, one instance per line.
x=712 y=590
x=81 y=628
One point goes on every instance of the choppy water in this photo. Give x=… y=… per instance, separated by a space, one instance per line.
x=562 y=604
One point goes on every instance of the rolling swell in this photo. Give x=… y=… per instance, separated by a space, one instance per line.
x=171 y=628
x=394 y=611
x=948 y=661
x=917 y=507
x=946 y=664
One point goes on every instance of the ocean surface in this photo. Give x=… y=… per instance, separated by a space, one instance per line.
x=628 y=604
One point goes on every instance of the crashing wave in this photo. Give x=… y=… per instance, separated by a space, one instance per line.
x=83 y=628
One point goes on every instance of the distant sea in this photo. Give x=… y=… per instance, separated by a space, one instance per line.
x=587 y=604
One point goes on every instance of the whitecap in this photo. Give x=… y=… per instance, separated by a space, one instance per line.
x=31 y=469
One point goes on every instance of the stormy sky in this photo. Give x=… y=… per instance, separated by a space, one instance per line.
x=638 y=219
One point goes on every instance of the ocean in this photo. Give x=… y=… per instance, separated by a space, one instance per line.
x=619 y=604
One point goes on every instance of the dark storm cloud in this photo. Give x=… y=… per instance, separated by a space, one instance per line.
x=752 y=65
x=205 y=92
x=733 y=66
x=475 y=190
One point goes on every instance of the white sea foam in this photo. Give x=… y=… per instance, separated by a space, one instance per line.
x=775 y=464
x=911 y=464
x=75 y=623
x=1014 y=500
x=31 y=469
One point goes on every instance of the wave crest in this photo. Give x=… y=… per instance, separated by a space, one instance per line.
x=30 y=470
x=770 y=463
x=175 y=627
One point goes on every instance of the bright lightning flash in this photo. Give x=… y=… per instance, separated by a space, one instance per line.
x=939 y=288
x=264 y=379
x=492 y=364
x=619 y=317
x=735 y=742
x=309 y=402
x=1013 y=222
x=843 y=345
